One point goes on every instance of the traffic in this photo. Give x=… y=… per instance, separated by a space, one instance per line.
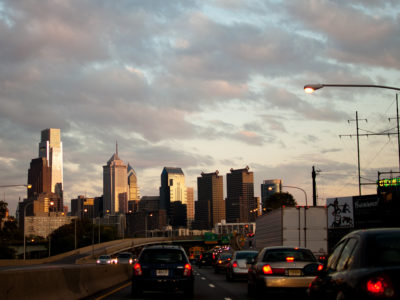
x=365 y=264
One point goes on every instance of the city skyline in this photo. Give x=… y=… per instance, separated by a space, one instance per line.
x=200 y=85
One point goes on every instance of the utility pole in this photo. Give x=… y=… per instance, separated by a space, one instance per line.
x=314 y=185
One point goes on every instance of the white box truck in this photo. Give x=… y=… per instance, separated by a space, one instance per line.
x=294 y=226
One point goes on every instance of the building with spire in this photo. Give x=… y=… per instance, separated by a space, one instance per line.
x=115 y=185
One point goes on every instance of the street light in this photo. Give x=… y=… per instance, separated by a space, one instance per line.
x=29 y=186
x=310 y=88
x=293 y=187
x=51 y=205
x=145 y=221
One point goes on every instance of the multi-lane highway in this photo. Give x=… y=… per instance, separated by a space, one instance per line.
x=208 y=286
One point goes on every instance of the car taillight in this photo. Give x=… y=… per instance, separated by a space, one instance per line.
x=290 y=259
x=137 y=269
x=320 y=267
x=267 y=270
x=234 y=264
x=380 y=286
x=188 y=270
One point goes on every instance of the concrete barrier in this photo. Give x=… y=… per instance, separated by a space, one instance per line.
x=73 y=282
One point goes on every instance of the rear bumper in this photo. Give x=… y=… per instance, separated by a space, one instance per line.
x=162 y=284
x=287 y=282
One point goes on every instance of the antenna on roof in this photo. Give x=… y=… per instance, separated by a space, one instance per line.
x=116 y=147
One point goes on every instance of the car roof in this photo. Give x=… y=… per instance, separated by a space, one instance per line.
x=284 y=247
x=365 y=233
x=163 y=247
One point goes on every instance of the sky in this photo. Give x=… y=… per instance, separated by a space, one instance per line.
x=202 y=85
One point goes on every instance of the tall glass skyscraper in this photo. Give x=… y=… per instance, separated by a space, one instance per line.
x=50 y=147
x=268 y=188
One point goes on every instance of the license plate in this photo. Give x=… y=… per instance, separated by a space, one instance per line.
x=162 y=272
x=294 y=272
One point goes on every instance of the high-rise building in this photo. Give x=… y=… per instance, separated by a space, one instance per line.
x=268 y=188
x=172 y=187
x=133 y=190
x=210 y=206
x=50 y=147
x=190 y=205
x=115 y=185
x=39 y=177
x=241 y=204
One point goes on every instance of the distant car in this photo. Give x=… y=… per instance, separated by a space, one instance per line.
x=124 y=258
x=104 y=260
x=222 y=262
x=365 y=264
x=162 y=268
x=239 y=264
x=282 y=268
x=207 y=259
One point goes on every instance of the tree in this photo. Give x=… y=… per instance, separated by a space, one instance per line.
x=278 y=200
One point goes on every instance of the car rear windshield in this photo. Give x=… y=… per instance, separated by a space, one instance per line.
x=245 y=255
x=162 y=256
x=384 y=249
x=275 y=255
x=225 y=255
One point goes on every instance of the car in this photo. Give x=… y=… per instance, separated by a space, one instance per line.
x=222 y=262
x=207 y=259
x=239 y=264
x=124 y=258
x=104 y=260
x=365 y=264
x=162 y=268
x=282 y=268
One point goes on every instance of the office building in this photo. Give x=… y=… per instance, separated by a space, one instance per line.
x=241 y=206
x=172 y=187
x=39 y=177
x=115 y=186
x=133 y=190
x=268 y=188
x=210 y=206
x=50 y=147
x=190 y=205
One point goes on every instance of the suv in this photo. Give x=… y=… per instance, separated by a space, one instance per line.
x=207 y=259
x=162 y=268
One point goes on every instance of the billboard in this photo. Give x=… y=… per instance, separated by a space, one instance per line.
x=340 y=212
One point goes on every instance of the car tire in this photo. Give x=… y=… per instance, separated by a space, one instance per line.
x=250 y=289
x=216 y=271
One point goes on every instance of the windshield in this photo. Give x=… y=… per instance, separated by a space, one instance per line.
x=159 y=256
x=384 y=249
x=245 y=255
x=275 y=255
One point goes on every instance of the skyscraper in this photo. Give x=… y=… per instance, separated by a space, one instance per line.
x=50 y=147
x=241 y=205
x=210 y=207
x=268 y=188
x=133 y=190
x=190 y=205
x=172 y=187
x=115 y=185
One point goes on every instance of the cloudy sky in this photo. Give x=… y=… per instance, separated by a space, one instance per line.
x=203 y=85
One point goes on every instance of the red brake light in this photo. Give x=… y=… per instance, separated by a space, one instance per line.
x=267 y=269
x=234 y=264
x=137 y=269
x=380 y=286
x=320 y=267
x=289 y=258
x=188 y=270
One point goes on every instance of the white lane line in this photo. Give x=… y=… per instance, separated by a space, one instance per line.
x=227 y=299
x=211 y=285
x=203 y=278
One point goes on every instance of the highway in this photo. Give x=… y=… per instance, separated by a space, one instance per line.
x=208 y=286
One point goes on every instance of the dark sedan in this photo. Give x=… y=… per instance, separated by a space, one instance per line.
x=222 y=262
x=365 y=264
x=162 y=268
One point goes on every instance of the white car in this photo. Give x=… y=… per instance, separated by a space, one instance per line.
x=239 y=264
x=104 y=260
